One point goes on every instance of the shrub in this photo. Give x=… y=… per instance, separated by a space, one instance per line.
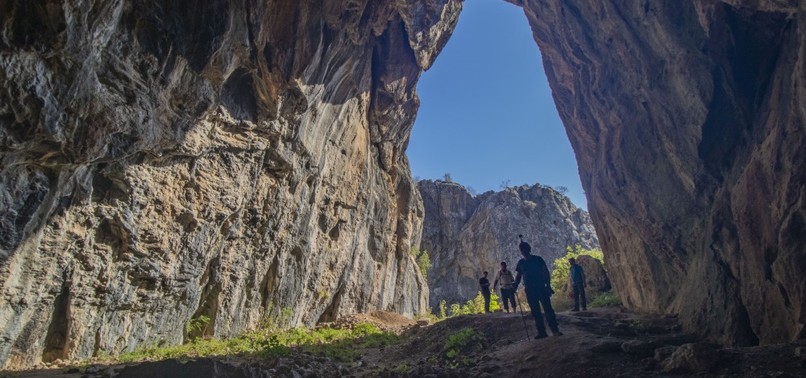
x=195 y=327
x=607 y=298
x=423 y=261
x=467 y=339
x=473 y=306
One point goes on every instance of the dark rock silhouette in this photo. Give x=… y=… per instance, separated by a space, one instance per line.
x=687 y=119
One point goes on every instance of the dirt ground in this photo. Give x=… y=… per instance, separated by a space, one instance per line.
x=606 y=342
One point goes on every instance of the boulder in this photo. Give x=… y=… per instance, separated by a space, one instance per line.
x=596 y=280
x=692 y=358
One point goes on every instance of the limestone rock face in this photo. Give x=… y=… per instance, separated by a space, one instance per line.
x=687 y=121
x=466 y=235
x=164 y=161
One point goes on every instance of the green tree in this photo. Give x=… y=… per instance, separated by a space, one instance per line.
x=423 y=261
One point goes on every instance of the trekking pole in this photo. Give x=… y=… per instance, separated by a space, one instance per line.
x=525 y=328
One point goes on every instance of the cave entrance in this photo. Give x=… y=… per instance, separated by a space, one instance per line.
x=487 y=117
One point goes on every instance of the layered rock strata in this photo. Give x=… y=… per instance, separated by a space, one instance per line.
x=466 y=235
x=687 y=119
x=215 y=162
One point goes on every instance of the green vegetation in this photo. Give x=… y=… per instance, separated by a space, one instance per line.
x=464 y=341
x=337 y=344
x=473 y=306
x=443 y=314
x=559 y=275
x=607 y=298
x=423 y=261
x=195 y=327
x=280 y=322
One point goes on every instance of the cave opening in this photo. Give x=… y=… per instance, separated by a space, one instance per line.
x=487 y=119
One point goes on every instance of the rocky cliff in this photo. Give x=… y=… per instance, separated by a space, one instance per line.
x=221 y=162
x=466 y=235
x=164 y=161
x=687 y=118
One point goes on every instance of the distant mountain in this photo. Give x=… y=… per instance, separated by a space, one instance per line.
x=466 y=235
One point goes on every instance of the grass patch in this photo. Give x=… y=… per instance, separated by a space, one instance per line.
x=607 y=298
x=338 y=344
x=465 y=341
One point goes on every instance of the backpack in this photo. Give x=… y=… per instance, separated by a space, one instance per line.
x=507 y=280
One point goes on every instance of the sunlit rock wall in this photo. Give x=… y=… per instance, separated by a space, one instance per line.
x=687 y=120
x=164 y=161
x=466 y=235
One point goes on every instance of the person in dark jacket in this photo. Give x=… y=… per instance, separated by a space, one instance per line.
x=484 y=285
x=577 y=276
x=533 y=271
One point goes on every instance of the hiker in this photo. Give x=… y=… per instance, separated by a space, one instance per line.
x=577 y=276
x=484 y=284
x=537 y=282
x=506 y=279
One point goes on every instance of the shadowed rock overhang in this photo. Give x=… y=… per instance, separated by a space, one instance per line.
x=171 y=161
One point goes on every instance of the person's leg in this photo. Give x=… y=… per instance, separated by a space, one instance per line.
x=576 y=297
x=512 y=300
x=504 y=294
x=534 y=305
x=551 y=318
x=486 y=302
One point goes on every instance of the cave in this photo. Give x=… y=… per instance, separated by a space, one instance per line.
x=686 y=119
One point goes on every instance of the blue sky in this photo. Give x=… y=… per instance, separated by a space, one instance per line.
x=486 y=113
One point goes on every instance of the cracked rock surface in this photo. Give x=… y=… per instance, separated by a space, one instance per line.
x=211 y=161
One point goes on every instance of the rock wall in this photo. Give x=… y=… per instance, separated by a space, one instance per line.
x=687 y=121
x=466 y=235
x=166 y=161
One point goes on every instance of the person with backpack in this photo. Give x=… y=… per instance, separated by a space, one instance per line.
x=577 y=276
x=537 y=282
x=507 y=281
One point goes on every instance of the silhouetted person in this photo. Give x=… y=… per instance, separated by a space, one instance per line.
x=484 y=284
x=537 y=282
x=507 y=281
x=577 y=276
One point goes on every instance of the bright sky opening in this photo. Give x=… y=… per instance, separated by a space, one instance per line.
x=487 y=116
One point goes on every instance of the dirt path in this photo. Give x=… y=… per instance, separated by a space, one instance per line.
x=602 y=342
